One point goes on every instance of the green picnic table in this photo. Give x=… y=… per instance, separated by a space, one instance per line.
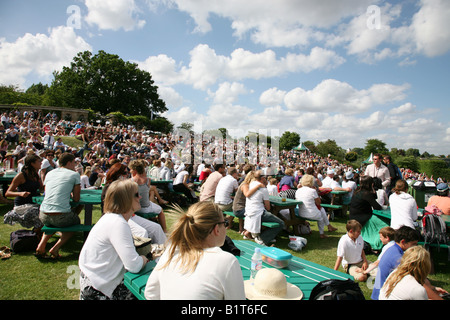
x=88 y=198
x=277 y=204
x=300 y=272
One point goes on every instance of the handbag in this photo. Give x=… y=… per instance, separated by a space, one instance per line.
x=143 y=246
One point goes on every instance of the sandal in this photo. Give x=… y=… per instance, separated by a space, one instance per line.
x=40 y=255
x=5 y=254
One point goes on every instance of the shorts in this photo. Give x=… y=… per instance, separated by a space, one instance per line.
x=61 y=220
x=152 y=208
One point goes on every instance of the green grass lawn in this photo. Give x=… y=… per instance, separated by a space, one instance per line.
x=24 y=277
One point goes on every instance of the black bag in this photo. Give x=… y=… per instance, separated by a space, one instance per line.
x=229 y=246
x=433 y=229
x=24 y=241
x=334 y=289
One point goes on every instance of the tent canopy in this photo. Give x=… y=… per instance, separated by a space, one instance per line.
x=369 y=159
x=301 y=147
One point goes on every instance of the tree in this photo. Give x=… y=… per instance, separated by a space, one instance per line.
x=105 y=83
x=310 y=145
x=351 y=156
x=289 y=140
x=330 y=147
x=375 y=146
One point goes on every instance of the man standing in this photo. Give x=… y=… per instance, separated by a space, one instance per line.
x=379 y=170
x=394 y=172
x=60 y=185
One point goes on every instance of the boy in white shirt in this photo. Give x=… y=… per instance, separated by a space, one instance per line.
x=350 y=252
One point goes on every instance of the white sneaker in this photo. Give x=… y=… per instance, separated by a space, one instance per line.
x=259 y=241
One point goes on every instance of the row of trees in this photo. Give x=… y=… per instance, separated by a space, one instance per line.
x=102 y=83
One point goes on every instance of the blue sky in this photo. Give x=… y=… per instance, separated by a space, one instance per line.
x=347 y=70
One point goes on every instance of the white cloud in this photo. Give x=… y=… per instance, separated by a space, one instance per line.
x=113 y=15
x=172 y=98
x=40 y=54
x=430 y=27
x=404 y=109
x=336 y=96
x=272 y=97
x=206 y=67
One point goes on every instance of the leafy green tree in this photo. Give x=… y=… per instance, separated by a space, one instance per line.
x=105 y=83
x=310 y=145
x=351 y=156
x=330 y=147
x=375 y=146
x=289 y=140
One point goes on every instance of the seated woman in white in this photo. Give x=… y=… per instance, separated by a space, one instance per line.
x=193 y=266
x=309 y=209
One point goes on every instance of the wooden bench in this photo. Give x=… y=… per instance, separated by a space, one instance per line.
x=74 y=228
x=265 y=224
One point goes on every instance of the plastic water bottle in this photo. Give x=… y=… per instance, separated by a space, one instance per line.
x=256 y=264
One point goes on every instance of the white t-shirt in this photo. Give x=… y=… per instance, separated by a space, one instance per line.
x=403 y=210
x=180 y=177
x=225 y=188
x=308 y=208
x=330 y=183
x=254 y=205
x=406 y=289
x=218 y=276
x=350 y=250
x=254 y=208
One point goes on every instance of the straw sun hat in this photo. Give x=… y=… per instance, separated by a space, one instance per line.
x=271 y=284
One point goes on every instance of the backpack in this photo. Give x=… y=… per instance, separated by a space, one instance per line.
x=433 y=228
x=24 y=240
x=334 y=289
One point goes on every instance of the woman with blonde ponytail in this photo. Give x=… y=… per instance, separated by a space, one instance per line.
x=193 y=265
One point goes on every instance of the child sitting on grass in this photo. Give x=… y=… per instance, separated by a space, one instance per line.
x=387 y=238
x=350 y=252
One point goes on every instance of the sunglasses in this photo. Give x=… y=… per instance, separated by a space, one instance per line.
x=136 y=194
x=224 y=222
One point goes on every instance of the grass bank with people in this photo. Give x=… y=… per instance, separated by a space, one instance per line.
x=25 y=277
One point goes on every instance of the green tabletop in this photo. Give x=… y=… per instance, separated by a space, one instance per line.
x=303 y=273
x=387 y=214
x=87 y=197
x=277 y=201
x=8 y=177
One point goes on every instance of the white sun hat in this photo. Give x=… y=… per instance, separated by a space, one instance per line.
x=271 y=284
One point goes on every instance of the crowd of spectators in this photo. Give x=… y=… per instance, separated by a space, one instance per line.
x=198 y=159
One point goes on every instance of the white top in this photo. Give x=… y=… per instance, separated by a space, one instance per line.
x=84 y=182
x=165 y=173
x=225 y=188
x=59 y=184
x=254 y=208
x=108 y=253
x=272 y=189
x=218 y=276
x=406 y=289
x=254 y=205
x=179 y=177
x=403 y=210
x=308 y=208
x=330 y=183
x=349 y=250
